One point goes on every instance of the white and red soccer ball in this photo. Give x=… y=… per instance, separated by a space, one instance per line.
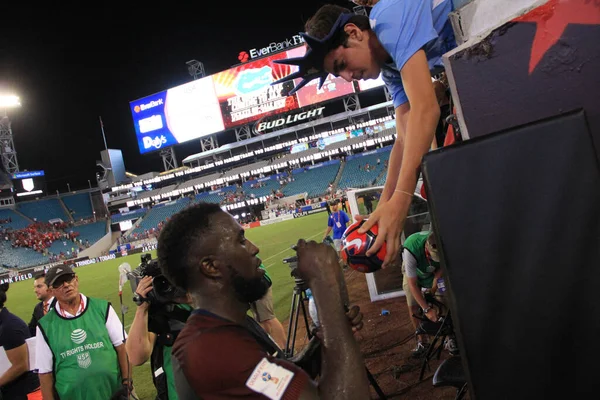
x=355 y=246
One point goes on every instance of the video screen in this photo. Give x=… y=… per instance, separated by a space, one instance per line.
x=29 y=184
x=177 y=115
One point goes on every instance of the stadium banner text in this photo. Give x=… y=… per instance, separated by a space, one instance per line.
x=273 y=47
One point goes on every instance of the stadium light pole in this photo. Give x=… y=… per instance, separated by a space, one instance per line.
x=8 y=155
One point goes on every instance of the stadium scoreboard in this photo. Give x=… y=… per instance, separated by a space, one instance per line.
x=228 y=99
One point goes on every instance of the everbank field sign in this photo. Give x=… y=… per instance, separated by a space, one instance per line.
x=273 y=47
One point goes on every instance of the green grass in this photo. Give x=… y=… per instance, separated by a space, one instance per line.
x=101 y=280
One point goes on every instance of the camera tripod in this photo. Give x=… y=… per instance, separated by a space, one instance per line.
x=298 y=303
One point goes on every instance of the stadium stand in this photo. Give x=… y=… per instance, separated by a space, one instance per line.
x=43 y=210
x=313 y=180
x=139 y=213
x=11 y=220
x=262 y=187
x=19 y=257
x=160 y=213
x=91 y=232
x=79 y=204
x=362 y=170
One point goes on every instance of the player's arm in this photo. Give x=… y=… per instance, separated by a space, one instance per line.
x=421 y=122
x=343 y=376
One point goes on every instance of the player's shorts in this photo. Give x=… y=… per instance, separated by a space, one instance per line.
x=263 y=308
x=337 y=245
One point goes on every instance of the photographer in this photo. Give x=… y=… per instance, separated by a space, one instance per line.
x=222 y=352
x=153 y=331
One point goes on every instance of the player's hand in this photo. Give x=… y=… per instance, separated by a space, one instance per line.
x=142 y=290
x=318 y=262
x=390 y=219
x=355 y=316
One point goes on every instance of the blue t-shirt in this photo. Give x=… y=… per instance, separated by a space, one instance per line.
x=404 y=27
x=338 y=221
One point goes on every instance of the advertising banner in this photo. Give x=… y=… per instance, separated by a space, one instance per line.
x=176 y=115
x=245 y=93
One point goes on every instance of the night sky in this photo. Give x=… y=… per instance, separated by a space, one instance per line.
x=70 y=65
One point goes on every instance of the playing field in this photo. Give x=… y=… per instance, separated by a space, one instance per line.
x=102 y=280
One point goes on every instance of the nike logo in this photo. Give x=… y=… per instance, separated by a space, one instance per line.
x=357 y=243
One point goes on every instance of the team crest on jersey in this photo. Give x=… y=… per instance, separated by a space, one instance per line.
x=84 y=360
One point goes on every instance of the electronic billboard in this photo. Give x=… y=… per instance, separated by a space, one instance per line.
x=225 y=100
x=29 y=184
x=176 y=115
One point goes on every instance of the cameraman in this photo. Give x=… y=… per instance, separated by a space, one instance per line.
x=152 y=334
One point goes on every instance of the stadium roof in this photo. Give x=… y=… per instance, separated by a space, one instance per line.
x=333 y=118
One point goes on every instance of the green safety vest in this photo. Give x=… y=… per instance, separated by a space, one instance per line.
x=165 y=362
x=85 y=362
x=426 y=268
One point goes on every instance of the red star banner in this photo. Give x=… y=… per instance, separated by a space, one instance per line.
x=552 y=18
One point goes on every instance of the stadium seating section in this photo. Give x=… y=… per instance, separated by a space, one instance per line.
x=79 y=204
x=161 y=213
x=315 y=180
x=355 y=174
x=312 y=181
x=44 y=210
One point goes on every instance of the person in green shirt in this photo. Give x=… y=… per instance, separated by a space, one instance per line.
x=420 y=270
x=152 y=334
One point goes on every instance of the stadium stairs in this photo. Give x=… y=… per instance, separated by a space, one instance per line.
x=66 y=210
x=338 y=176
x=102 y=245
x=380 y=177
x=22 y=215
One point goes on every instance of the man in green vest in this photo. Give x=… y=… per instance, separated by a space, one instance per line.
x=80 y=349
x=152 y=334
x=420 y=269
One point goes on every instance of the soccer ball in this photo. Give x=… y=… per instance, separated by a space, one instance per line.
x=355 y=246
